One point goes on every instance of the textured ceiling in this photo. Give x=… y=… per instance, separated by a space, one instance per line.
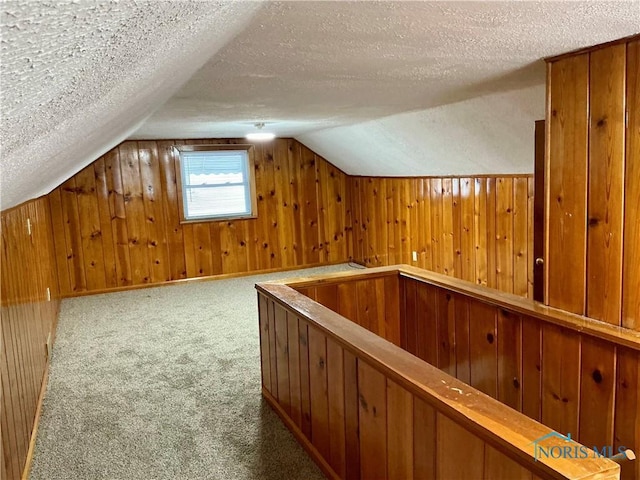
x=411 y=78
x=78 y=77
x=304 y=66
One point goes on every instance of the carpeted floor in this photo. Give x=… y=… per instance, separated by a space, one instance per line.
x=164 y=383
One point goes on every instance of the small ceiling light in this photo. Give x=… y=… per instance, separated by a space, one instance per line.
x=260 y=136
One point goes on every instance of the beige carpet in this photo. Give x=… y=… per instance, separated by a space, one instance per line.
x=164 y=383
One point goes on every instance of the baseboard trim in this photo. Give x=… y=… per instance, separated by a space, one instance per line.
x=300 y=437
x=221 y=276
x=36 y=424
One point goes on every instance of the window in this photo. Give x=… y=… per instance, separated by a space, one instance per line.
x=216 y=182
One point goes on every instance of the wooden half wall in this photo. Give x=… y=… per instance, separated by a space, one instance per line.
x=29 y=316
x=117 y=222
x=478 y=229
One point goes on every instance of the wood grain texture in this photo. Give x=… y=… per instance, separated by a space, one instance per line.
x=606 y=183
x=631 y=272
x=567 y=167
x=27 y=269
x=373 y=422
x=560 y=379
x=451 y=223
x=397 y=397
x=627 y=408
x=399 y=432
x=117 y=222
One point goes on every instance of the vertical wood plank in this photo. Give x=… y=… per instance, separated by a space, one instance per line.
x=631 y=272
x=282 y=357
x=391 y=292
x=424 y=440
x=90 y=229
x=567 y=118
x=446 y=331
x=448 y=254
x=484 y=353
x=318 y=388
x=351 y=411
x=597 y=398
x=373 y=422
x=425 y=310
x=135 y=217
x=560 y=379
x=337 y=420
x=520 y=240
x=169 y=196
x=452 y=437
x=627 y=409
x=293 y=349
x=436 y=224
x=273 y=349
x=606 y=183
x=492 y=232
x=118 y=217
x=504 y=234
x=104 y=213
x=265 y=361
x=463 y=354
x=531 y=367
x=399 y=432
x=154 y=213
x=480 y=231
x=305 y=369
x=509 y=359
x=467 y=250
x=412 y=320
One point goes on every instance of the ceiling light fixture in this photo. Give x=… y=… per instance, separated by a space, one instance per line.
x=260 y=136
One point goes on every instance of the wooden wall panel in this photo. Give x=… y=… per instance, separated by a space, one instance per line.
x=476 y=229
x=627 y=408
x=28 y=268
x=373 y=422
x=567 y=143
x=606 y=183
x=574 y=383
x=560 y=379
x=631 y=272
x=117 y=222
x=593 y=105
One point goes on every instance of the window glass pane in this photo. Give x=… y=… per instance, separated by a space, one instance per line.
x=215 y=184
x=214 y=168
x=216 y=201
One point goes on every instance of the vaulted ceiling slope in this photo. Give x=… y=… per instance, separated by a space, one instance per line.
x=393 y=88
x=380 y=88
x=78 y=77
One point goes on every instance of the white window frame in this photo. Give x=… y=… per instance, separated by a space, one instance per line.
x=249 y=183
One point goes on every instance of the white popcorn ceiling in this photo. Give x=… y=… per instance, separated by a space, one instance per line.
x=381 y=88
x=78 y=77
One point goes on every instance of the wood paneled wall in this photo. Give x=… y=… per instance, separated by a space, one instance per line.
x=478 y=229
x=573 y=383
x=351 y=401
x=117 y=223
x=593 y=187
x=28 y=318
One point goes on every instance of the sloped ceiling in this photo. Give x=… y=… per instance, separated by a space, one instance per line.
x=78 y=77
x=381 y=88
